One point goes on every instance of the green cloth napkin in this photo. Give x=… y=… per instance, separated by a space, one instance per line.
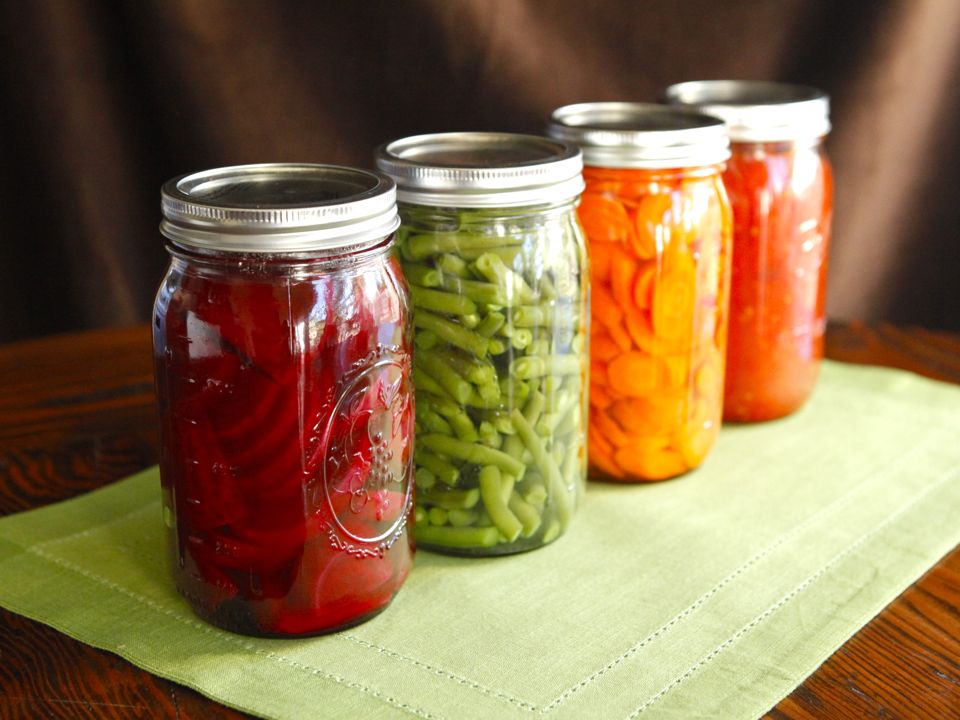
x=710 y=596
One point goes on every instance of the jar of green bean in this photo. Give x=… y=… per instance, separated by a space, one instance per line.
x=496 y=263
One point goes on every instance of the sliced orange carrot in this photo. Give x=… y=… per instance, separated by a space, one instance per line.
x=674 y=297
x=634 y=373
x=643 y=286
x=597 y=442
x=649 y=223
x=707 y=377
x=641 y=332
x=604 y=307
x=697 y=437
x=623 y=270
x=675 y=370
x=598 y=373
x=656 y=465
x=609 y=429
x=600 y=255
x=602 y=345
x=599 y=397
x=606 y=466
x=620 y=337
x=604 y=219
x=657 y=415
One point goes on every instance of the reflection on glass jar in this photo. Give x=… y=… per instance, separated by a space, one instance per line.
x=781 y=190
x=658 y=230
x=283 y=362
x=494 y=255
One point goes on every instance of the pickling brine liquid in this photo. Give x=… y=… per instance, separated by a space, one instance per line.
x=286 y=429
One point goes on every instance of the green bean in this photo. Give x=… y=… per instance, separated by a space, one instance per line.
x=426 y=340
x=459 y=421
x=476 y=454
x=477 y=371
x=425 y=383
x=530 y=366
x=491 y=266
x=536 y=497
x=489 y=392
x=531 y=411
x=453 y=265
x=521 y=338
x=527 y=514
x=462 y=518
x=497 y=346
x=506 y=254
x=451 y=499
x=443 y=470
x=489 y=435
x=470 y=321
x=424 y=478
x=421 y=246
x=437 y=516
x=441 y=301
x=448 y=378
x=481 y=292
x=457 y=537
x=491 y=490
x=491 y=323
x=541 y=316
x=432 y=421
x=546 y=463
x=421 y=275
x=454 y=334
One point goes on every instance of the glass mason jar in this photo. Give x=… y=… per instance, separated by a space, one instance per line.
x=282 y=348
x=781 y=190
x=658 y=231
x=491 y=247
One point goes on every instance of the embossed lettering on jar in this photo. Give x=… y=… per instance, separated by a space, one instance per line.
x=658 y=229
x=781 y=189
x=283 y=357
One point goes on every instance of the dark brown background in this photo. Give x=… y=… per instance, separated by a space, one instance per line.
x=102 y=101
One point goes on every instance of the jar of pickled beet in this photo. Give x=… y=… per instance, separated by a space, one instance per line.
x=495 y=259
x=282 y=348
x=658 y=229
x=781 y=190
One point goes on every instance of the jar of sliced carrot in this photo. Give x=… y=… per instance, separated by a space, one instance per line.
x=658 y=227
x=780 y=187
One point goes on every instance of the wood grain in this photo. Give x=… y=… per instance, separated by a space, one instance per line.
x=76 y=412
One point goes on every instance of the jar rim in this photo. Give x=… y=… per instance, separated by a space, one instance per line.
x=641 y=135
x=278 y=208
x=758 y=110
x=481 y=169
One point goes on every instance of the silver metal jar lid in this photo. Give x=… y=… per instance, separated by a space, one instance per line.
x=278 y=208
x=641 y=135
x=482 y=169
x=757 y=110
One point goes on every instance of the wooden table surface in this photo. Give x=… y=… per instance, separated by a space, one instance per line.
x=76 y=412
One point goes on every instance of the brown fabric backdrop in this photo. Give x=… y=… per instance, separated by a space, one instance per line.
x=102 y=101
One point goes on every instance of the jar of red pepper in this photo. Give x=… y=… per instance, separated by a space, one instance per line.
x=781 y=191
x=282 y=347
